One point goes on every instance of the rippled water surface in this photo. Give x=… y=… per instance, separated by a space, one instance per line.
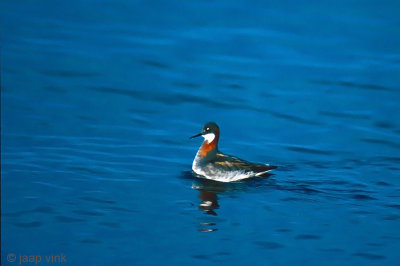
x=99 y=99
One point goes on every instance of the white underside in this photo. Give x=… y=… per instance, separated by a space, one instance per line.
x=209 y=172
x=225 y=177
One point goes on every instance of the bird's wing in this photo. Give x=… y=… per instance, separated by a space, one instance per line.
x=233 y=163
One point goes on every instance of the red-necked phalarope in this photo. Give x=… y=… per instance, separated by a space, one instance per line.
x=212 y=164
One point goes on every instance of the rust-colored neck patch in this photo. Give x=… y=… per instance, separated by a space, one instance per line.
x=207 y=147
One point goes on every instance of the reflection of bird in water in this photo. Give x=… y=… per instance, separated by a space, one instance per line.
x=209 y=190
x=208 y=193
x=210 y=201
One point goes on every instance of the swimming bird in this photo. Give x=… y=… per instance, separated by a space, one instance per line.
x=211 y=164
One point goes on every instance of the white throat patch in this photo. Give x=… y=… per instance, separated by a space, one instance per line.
x=209 y=137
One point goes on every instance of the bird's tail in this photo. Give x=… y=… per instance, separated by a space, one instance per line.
x=262 y=170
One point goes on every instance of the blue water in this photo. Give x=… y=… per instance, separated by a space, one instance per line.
x=99 y=99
